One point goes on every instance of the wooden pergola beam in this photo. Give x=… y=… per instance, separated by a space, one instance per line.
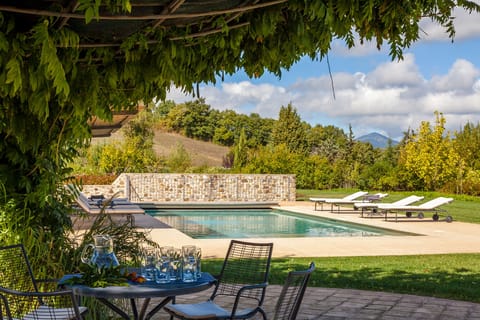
x=171 y=8
x=48 y=13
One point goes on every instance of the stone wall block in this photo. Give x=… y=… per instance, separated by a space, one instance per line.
x=156 y=187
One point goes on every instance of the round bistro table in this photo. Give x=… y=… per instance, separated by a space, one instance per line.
x=147 y=291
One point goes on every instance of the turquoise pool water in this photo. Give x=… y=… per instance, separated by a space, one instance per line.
x=263 y=223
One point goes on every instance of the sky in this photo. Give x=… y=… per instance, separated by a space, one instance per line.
x=371 y=92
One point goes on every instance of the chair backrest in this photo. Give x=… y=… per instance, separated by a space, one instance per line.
x=434 y=203
x=408 y=200
x=355 y=195
x=291 y=297
x=245 y=263
x=20 y=297
x=15 y=270
x=16 y=276
x=374 y=197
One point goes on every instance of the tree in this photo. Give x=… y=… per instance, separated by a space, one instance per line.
x=226 y=128
x=240 y=150
x=467 y=144
x=194 y=119
x=430 y=155
x=328 y=141
x=179 y=160
x=161 y=110
x=382 y=174
x=197 y=121
x=290 y=130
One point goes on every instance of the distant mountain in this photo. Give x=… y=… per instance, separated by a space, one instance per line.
x=377 y=140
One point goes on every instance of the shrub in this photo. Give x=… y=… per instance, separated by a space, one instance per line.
x=96 y=179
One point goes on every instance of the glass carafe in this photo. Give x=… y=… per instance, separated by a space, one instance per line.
x=103 y=255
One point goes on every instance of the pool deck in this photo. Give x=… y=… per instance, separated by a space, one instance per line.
x=341 y=304
x=433 y=237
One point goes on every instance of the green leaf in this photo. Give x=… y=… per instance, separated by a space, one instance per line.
x=89 y=14
x=4 y=46
x=14 y=74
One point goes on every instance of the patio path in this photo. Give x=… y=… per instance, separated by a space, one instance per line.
x=339 y=304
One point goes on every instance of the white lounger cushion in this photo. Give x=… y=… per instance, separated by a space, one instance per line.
x=350 y=197
x=402 y=202
x=427 y=206
x=376 y=196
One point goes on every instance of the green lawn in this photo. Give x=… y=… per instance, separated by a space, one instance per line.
x=452 y=276
x=463 y=208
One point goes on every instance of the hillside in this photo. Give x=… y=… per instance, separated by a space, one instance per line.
x=201 y=152
x=164 y=143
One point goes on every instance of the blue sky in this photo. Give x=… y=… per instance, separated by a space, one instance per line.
x=372 y=92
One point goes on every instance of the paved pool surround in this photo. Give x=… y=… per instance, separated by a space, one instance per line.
x=332 y=303
x=433 y=237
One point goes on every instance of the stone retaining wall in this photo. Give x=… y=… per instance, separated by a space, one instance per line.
x=156 y=187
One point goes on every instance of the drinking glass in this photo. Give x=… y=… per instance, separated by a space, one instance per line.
x=163 y=265
x=189 y=272
x=175 y=265
x=198 y=256
x=149 y=268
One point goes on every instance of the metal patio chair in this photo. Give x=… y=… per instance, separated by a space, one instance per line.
x=291 y=297
x=20 y=297
x=242 y=280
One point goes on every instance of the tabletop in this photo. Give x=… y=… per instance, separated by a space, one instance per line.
x=147 y=289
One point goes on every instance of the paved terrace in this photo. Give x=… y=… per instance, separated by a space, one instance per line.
x=323 y=303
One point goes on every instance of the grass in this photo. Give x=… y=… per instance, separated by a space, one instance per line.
x=451 y=276
x=464 y=208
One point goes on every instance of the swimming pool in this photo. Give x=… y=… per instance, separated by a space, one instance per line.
x=260 y=223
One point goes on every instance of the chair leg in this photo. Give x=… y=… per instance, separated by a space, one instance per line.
x=173 y=301
x=264 y=316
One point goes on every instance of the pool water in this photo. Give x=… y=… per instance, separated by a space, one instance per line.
x=263 y=223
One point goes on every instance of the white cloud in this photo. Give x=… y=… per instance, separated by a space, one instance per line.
x=396 y=74
x=466 y=27
x=264 y=99
x=461 y=77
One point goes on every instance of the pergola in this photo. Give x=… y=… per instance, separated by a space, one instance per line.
x=109 y=29
x=185 y=19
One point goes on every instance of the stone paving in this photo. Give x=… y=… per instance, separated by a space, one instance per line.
x=339 y=304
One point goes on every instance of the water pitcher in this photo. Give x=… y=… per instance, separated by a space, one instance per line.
x=103 y=255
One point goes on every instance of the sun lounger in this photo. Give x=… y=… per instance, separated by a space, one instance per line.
x=366 y=199
x=100 y=200
x=373 y=207
x=121 y=206
x=430 y=206
x=350 y=197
